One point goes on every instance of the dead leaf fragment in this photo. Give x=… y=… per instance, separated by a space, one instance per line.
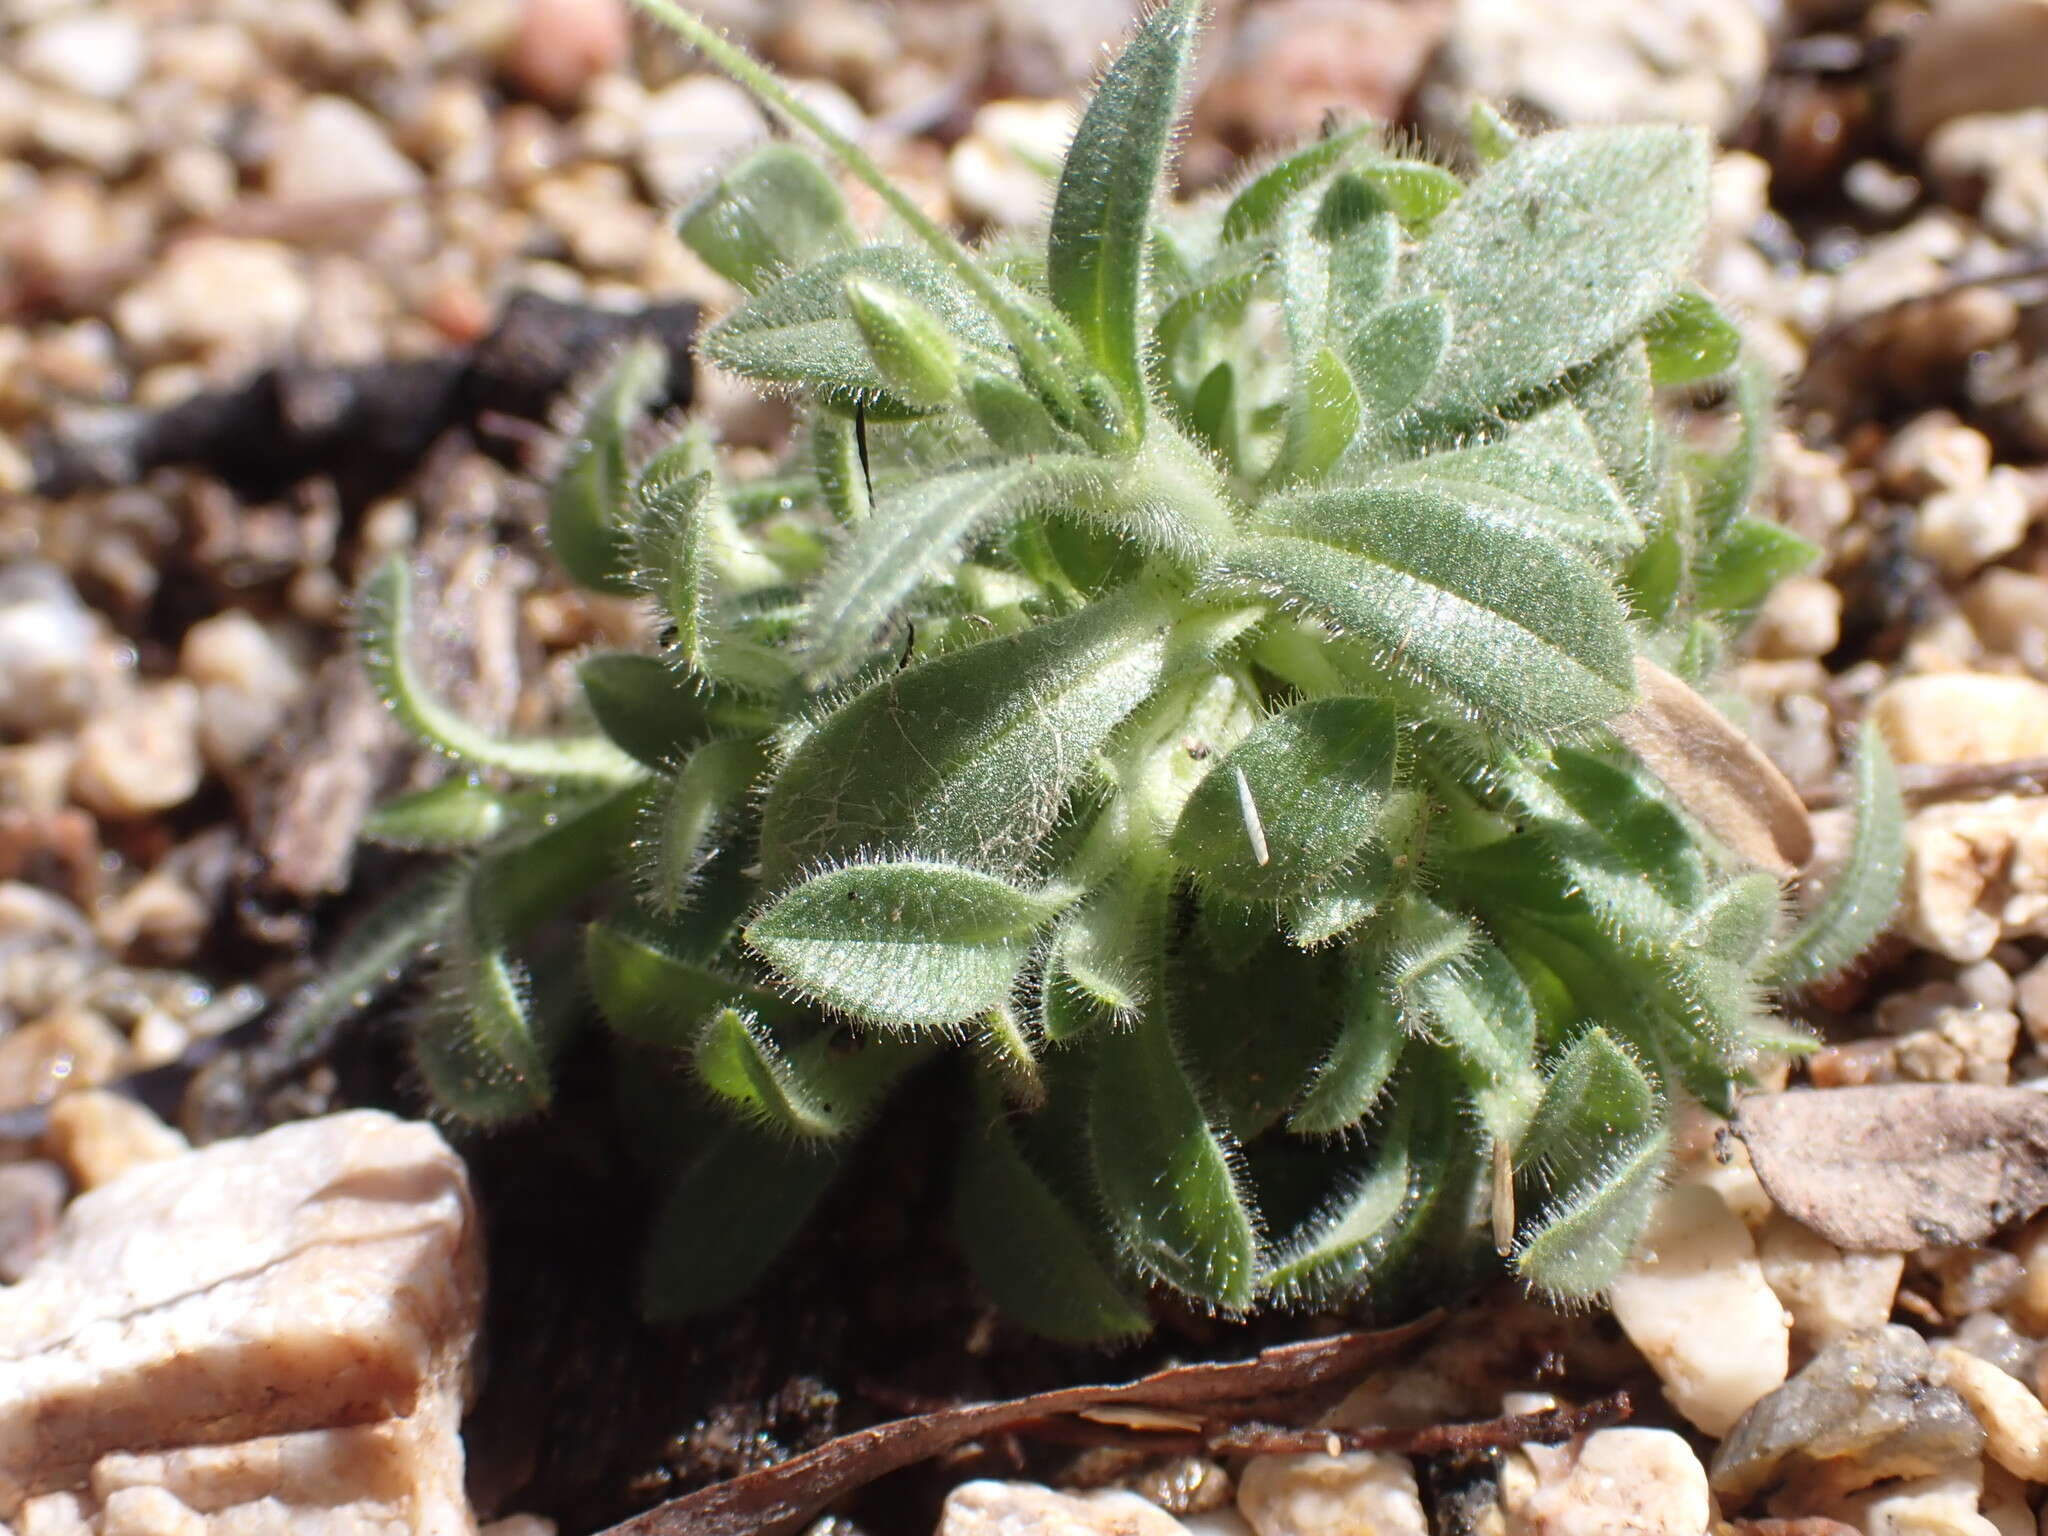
x=1900 y=1166
x=1716 y=772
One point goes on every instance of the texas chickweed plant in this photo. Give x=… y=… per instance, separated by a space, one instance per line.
x=1184 y=683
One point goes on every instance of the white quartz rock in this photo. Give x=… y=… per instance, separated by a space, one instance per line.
x=273 y=1332
x=1618 y=1482
x=988 y=1508
x=1694 y=1301
x=1357 y=1493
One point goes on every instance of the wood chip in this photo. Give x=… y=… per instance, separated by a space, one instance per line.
x=1900 y=1166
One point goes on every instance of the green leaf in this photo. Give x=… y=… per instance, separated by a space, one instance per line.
x=1598 y=1145
x=970 y=755
x=587 y=511
x=520 y=885
x=1396 y=352
x=842 y=473
x=727 y=1218
x=1338 y=1250
x=1864 y=892
x=658 y=998
x=676 y=840
x=372 y=955
x=1014 y=419
x=1478 y=1006
x=383 y=633
x=1031 y=1254
x=673 y=544
x=1362 y=261
x=798 y=331
x=1294 y=804
x=476 y=1049
x=1723 y=483
x=1353 y=1076
x=655 y=712
x=1494 y=619
x=1259 y=204
x=770 y=214
x=1103 y=952
x=908 y=944
x=1363 y=1233
x=1492 y=135
x=1615 y=396
x=1563 y=248
x=917 y=534
x=1690 y=340
x=916 y=359
x=1546 y=475
x=1009 y=1053
x=1167 y=1179
x=1416 y=190
x=1095 y=255
x=1746 y=562
x=458 y=812
x=805 y=1094
x=1322 y=422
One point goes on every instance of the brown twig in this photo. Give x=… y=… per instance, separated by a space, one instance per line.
x=1949 y=781
x=1834 y=335
x=1260 y=1439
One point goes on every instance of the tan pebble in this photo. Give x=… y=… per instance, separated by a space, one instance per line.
x=332 y=150
x=1930 y=1506
x=1971 y=56
x=1963 y=717
x=141 y=755
x=1935 y=452
x=2009 y=611
x=1976 y=873
x=560 y=46
x=1803 y=617
x=1962 y=531
x=97 y=1136
x=2015 y=1422
x=32 y=1194
x=519 y=1525
x=1827 y=1292
x=175 y=307
x=1321 y=1495
x=159 y=914
x=61 y=1052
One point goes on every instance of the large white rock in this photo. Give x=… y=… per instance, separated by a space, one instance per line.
x=271 y=1334
x=1694 y=1301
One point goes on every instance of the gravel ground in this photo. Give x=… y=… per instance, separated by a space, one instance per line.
x=192 y=191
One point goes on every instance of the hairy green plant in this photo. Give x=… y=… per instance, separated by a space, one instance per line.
x=1177 y=668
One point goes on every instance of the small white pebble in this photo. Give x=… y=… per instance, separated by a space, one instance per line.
x=2015 y=1422
x=1621 y=1482
x=1827 y=1292
x=1360 y=1493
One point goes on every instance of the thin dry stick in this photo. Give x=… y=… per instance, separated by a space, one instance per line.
x=1950 y=781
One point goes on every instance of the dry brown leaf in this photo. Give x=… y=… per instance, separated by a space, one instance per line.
x=1900 y=1166
x=782 y=1496
x=1716 y=772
